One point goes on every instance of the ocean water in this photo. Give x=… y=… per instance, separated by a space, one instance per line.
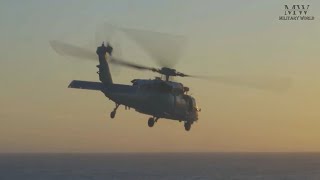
x=273 y=166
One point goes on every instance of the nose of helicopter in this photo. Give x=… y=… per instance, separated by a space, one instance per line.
x=196 y=111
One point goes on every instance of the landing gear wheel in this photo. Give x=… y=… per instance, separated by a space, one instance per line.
x=151 y=122
x=187 y=126
x=113 y=114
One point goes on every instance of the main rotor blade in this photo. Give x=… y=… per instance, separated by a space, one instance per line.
x=121 y=62
x=65 y=49
x=164 y=48
x=78 y=52
x=271 y=84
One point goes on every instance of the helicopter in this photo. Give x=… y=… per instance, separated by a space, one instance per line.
x=160 y=98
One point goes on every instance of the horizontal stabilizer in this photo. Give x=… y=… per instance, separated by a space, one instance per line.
x=86 y=85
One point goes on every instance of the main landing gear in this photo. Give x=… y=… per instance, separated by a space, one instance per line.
x=151 y=121
x=187 y=125
x=113 y=113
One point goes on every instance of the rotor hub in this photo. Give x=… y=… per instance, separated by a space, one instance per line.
x=168 y=71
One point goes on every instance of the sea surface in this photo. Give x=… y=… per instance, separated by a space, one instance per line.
x=273 y=166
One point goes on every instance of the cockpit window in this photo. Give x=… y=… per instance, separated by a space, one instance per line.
x=177 y=91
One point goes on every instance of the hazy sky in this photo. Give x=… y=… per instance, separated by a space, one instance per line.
x=38 y=113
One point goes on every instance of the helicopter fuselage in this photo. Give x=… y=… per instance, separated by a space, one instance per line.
x=152 y=97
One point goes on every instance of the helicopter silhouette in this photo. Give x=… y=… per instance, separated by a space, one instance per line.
x=159 y=97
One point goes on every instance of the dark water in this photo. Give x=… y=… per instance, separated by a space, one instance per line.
x=160 y=166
